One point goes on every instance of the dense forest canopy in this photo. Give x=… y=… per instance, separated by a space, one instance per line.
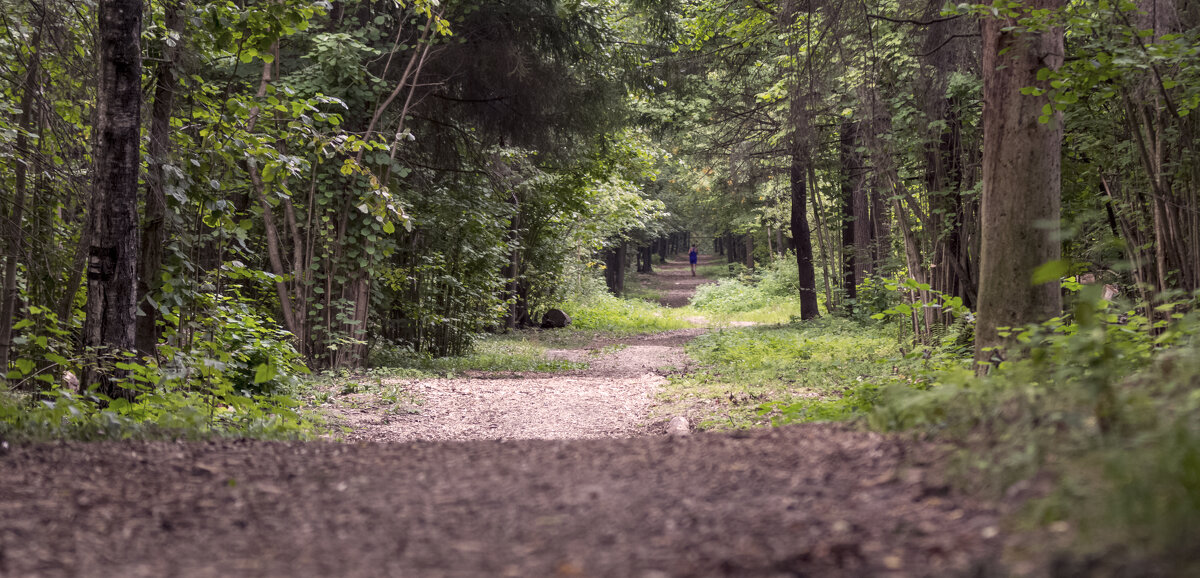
x=235 y=192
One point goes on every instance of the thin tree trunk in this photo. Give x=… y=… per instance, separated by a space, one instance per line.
x=824 y=246
x=112 y=257
x=15 y=234
x=153 y=225
x=851 y=224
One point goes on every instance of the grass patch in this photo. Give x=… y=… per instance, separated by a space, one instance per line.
x=767 y=295
x=639 y=286
x=810 y=371
x=514 y=352
x=604 y=312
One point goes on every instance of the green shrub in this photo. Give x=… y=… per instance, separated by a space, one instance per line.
x=226 y=370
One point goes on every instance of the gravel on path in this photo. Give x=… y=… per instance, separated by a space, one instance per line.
x=611 y=398
x=814 y=500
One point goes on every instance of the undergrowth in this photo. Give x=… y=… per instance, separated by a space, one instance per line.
x=494 y=353
x=602 y=311
x=233 y=378
x=1103 y=405
x=816 y=370
x=1107 y=404
x=764 y=295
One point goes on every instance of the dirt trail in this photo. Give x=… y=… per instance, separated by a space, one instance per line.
x=812 y=500
x=797 y=501
x=675 y=281
x=611 y=398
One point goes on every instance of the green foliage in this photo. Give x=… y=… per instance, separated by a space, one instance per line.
x=770 y=286
x=496 y=353
x=1104 y=400
x=811 y=371
x=164 y=408
x=598 y=310
x=225 y=370
x=226 y=339
x=730 y=296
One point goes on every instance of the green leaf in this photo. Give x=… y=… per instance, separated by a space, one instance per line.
x=1052 y=271
x=264 y=373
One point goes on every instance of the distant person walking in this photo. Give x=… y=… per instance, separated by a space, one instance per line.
x=693 y=258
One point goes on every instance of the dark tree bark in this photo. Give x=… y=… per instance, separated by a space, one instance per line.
x=1021 y=182
x=153 y=224
x=614 y=269
x=113 y=254
x=803 y=238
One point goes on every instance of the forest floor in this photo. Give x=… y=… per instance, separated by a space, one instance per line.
x=560 y=473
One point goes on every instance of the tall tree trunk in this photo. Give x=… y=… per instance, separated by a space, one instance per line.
x=14 y=236
x=802 y=236
x=1021 y=182
x=112 y=256
x=850 y=222
x=153 y=225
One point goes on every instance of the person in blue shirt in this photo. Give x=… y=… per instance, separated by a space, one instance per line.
x=693 y=257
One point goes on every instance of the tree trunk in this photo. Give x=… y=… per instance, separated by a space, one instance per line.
x=15 y=234
x=850 y=222
x=153 y=225
x=802 y=236
x=113 y=254
x=614 y=269
x=514 y=265
x=1021 y=182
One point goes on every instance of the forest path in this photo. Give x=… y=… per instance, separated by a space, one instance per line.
x=611 y=398
x=674 y=280
x=807 y=500
x=813 y=500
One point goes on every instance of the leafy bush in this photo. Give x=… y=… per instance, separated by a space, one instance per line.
x=779 y=278
x=159 y=411
x=229 y=340
x=224 y=371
